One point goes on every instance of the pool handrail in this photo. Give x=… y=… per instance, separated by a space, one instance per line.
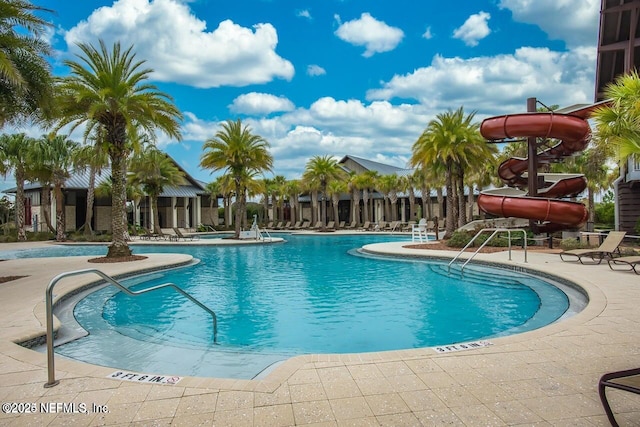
x=51 y=375
x=495 y=232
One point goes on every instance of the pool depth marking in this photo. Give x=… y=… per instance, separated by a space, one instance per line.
x=462 y=347
x=144 y=378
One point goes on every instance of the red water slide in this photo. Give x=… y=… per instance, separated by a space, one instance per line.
x=552 y=214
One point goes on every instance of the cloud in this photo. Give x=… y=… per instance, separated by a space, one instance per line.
x=497 y=85
x=260 y=104
x=367 y=31
x=474 y=28
x=574 y=21
x=303 y=14
x=316 y=70
x=178 y=47
x=427 y=34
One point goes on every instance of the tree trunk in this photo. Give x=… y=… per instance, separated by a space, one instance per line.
x=118 y=247
x=156 y=214
x=238 y=215
x=46 y=206
x=356 y=206
x=412 y=204
x=60 y=214
x=462 y=202
x=314 y=208
x=365 y=200
x=470 y=202
x=451 y=210
x=90 y=198
x=22 y=235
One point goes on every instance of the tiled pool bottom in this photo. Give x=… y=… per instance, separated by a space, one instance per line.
x=137 y=355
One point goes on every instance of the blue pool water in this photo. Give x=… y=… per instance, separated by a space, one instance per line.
x=309 y=295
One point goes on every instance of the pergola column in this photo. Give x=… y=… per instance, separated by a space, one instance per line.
x=174 y=212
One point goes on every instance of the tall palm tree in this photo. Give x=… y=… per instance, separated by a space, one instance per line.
x=279 y=191
x=94 y=157
x=390 y=184
x=334 y=189
x=294 y=188
x=214 y=188
x=354 y=190
x=40 y=169
x=25 y=77
x=267 y=186
x=319 y=171
x=453 y=140
x=108 y=90
x=367 y=182
x=153 y=170
x=237 y=151
x=59 y=154
x=14 y=150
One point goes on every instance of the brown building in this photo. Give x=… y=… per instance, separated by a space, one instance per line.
x=619 y=53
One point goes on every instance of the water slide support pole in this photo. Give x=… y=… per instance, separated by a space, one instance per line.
x=532 y=155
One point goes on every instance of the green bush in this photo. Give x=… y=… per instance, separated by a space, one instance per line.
x=605 y=210
x=460 y=239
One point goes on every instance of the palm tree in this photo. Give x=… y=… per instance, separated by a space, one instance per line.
x=237 y=151
x=40 y=169
x=454 y=141
x=366 y=181
x=267 y=190
x=153 y=170
x=618 y=123
x=214 y=188
x=108 y=90
x=319 y=171
x=334 y=189
x=390 y=184
x=95 y=157
x=25 y=77
x=59 y=154
x=354 y=190
x=294 y=188
x=279 y=191
x=14 y=150
x=408 y=183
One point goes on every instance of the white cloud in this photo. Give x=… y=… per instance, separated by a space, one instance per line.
x=178 y=47
x=260 y=104
x=316 y=70
x=304 y=14
x=475 y=28
x=500 y=84
x=367 y=31
x=574 y=21
x=427 y=34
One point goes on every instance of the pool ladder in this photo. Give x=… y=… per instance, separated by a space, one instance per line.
x=110 y=280
x=495 y=233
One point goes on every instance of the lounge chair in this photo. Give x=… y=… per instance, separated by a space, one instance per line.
x=608 y=249
x=183 y=236
x=317 y=226
x=168 y=234
x=365 y=227
x=331 y=225
x=340 y=225
x=295 y=225
x=279 y=226
x=305 y=225
x=631 y=261
x=148 y=235
x=628 y=380
x=408 y=226
x=353 y=224
x=380 y=226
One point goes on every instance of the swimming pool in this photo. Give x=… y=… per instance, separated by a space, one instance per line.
x=309 y=295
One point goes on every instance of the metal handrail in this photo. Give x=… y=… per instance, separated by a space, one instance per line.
x=49 y=313
x=495 y=232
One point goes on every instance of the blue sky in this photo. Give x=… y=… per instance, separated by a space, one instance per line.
x=339 y=77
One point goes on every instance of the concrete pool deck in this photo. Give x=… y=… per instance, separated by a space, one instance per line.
x=544 y=377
